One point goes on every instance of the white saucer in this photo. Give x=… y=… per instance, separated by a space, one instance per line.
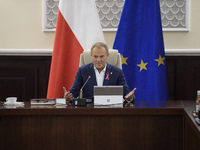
x=15 y=103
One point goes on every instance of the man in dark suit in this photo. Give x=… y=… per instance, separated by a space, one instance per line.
x=99 y=73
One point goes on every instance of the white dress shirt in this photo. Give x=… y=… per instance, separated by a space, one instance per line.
x=100 y=76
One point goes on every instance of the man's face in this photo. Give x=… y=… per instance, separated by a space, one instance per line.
x=99 y=57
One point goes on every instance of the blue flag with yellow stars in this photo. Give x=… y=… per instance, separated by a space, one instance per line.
x=139 y=39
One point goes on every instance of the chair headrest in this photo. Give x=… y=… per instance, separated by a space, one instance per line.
x=112 y=59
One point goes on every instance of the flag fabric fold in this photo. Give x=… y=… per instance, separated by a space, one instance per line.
x=77 y=29
x=139 y=39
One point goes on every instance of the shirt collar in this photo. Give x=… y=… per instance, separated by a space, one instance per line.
x=104 y=69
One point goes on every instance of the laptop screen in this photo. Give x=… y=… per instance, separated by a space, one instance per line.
x=108 y=95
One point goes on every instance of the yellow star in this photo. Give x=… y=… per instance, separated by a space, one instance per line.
x=142 y=65
x=160 y=60
x=124 y=59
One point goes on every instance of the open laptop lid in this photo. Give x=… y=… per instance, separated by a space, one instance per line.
x=108 y=95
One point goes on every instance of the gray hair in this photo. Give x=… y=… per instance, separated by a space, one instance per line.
x=99 y=44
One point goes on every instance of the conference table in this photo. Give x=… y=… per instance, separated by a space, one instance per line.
x=140 y=125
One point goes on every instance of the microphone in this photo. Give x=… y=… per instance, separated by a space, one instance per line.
x=81 y=90
x=80 y=101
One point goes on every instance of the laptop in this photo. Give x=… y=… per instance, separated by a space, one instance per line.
x=108 y=95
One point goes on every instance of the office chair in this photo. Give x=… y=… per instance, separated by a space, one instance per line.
x=113 y=59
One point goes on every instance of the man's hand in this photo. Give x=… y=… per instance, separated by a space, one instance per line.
x=129 y=96
x=67 y=95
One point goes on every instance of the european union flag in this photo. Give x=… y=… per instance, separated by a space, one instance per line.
x=139 y=39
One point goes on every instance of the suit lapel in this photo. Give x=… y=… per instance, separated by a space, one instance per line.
x=107 y=75
x=92 y=74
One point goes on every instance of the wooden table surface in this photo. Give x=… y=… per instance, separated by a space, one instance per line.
x=139 y=125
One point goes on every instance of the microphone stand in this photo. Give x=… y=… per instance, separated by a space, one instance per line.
x=80 y=101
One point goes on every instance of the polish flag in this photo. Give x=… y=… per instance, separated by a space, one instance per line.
x=78 y=28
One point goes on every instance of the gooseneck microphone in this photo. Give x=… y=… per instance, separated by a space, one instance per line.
x=80 y=101
x=81 y=90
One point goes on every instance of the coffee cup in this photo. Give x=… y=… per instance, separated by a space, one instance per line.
x=11 y=99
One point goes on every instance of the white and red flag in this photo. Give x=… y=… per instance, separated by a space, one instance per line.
x=78 y=28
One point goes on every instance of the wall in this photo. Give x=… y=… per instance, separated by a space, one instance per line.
x=21 y=28
x=21 y=25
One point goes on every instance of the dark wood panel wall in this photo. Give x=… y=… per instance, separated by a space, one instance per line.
x=24 y=77
x=27 y=77
x=183 y=77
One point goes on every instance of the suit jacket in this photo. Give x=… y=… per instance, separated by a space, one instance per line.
x=115 y=77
